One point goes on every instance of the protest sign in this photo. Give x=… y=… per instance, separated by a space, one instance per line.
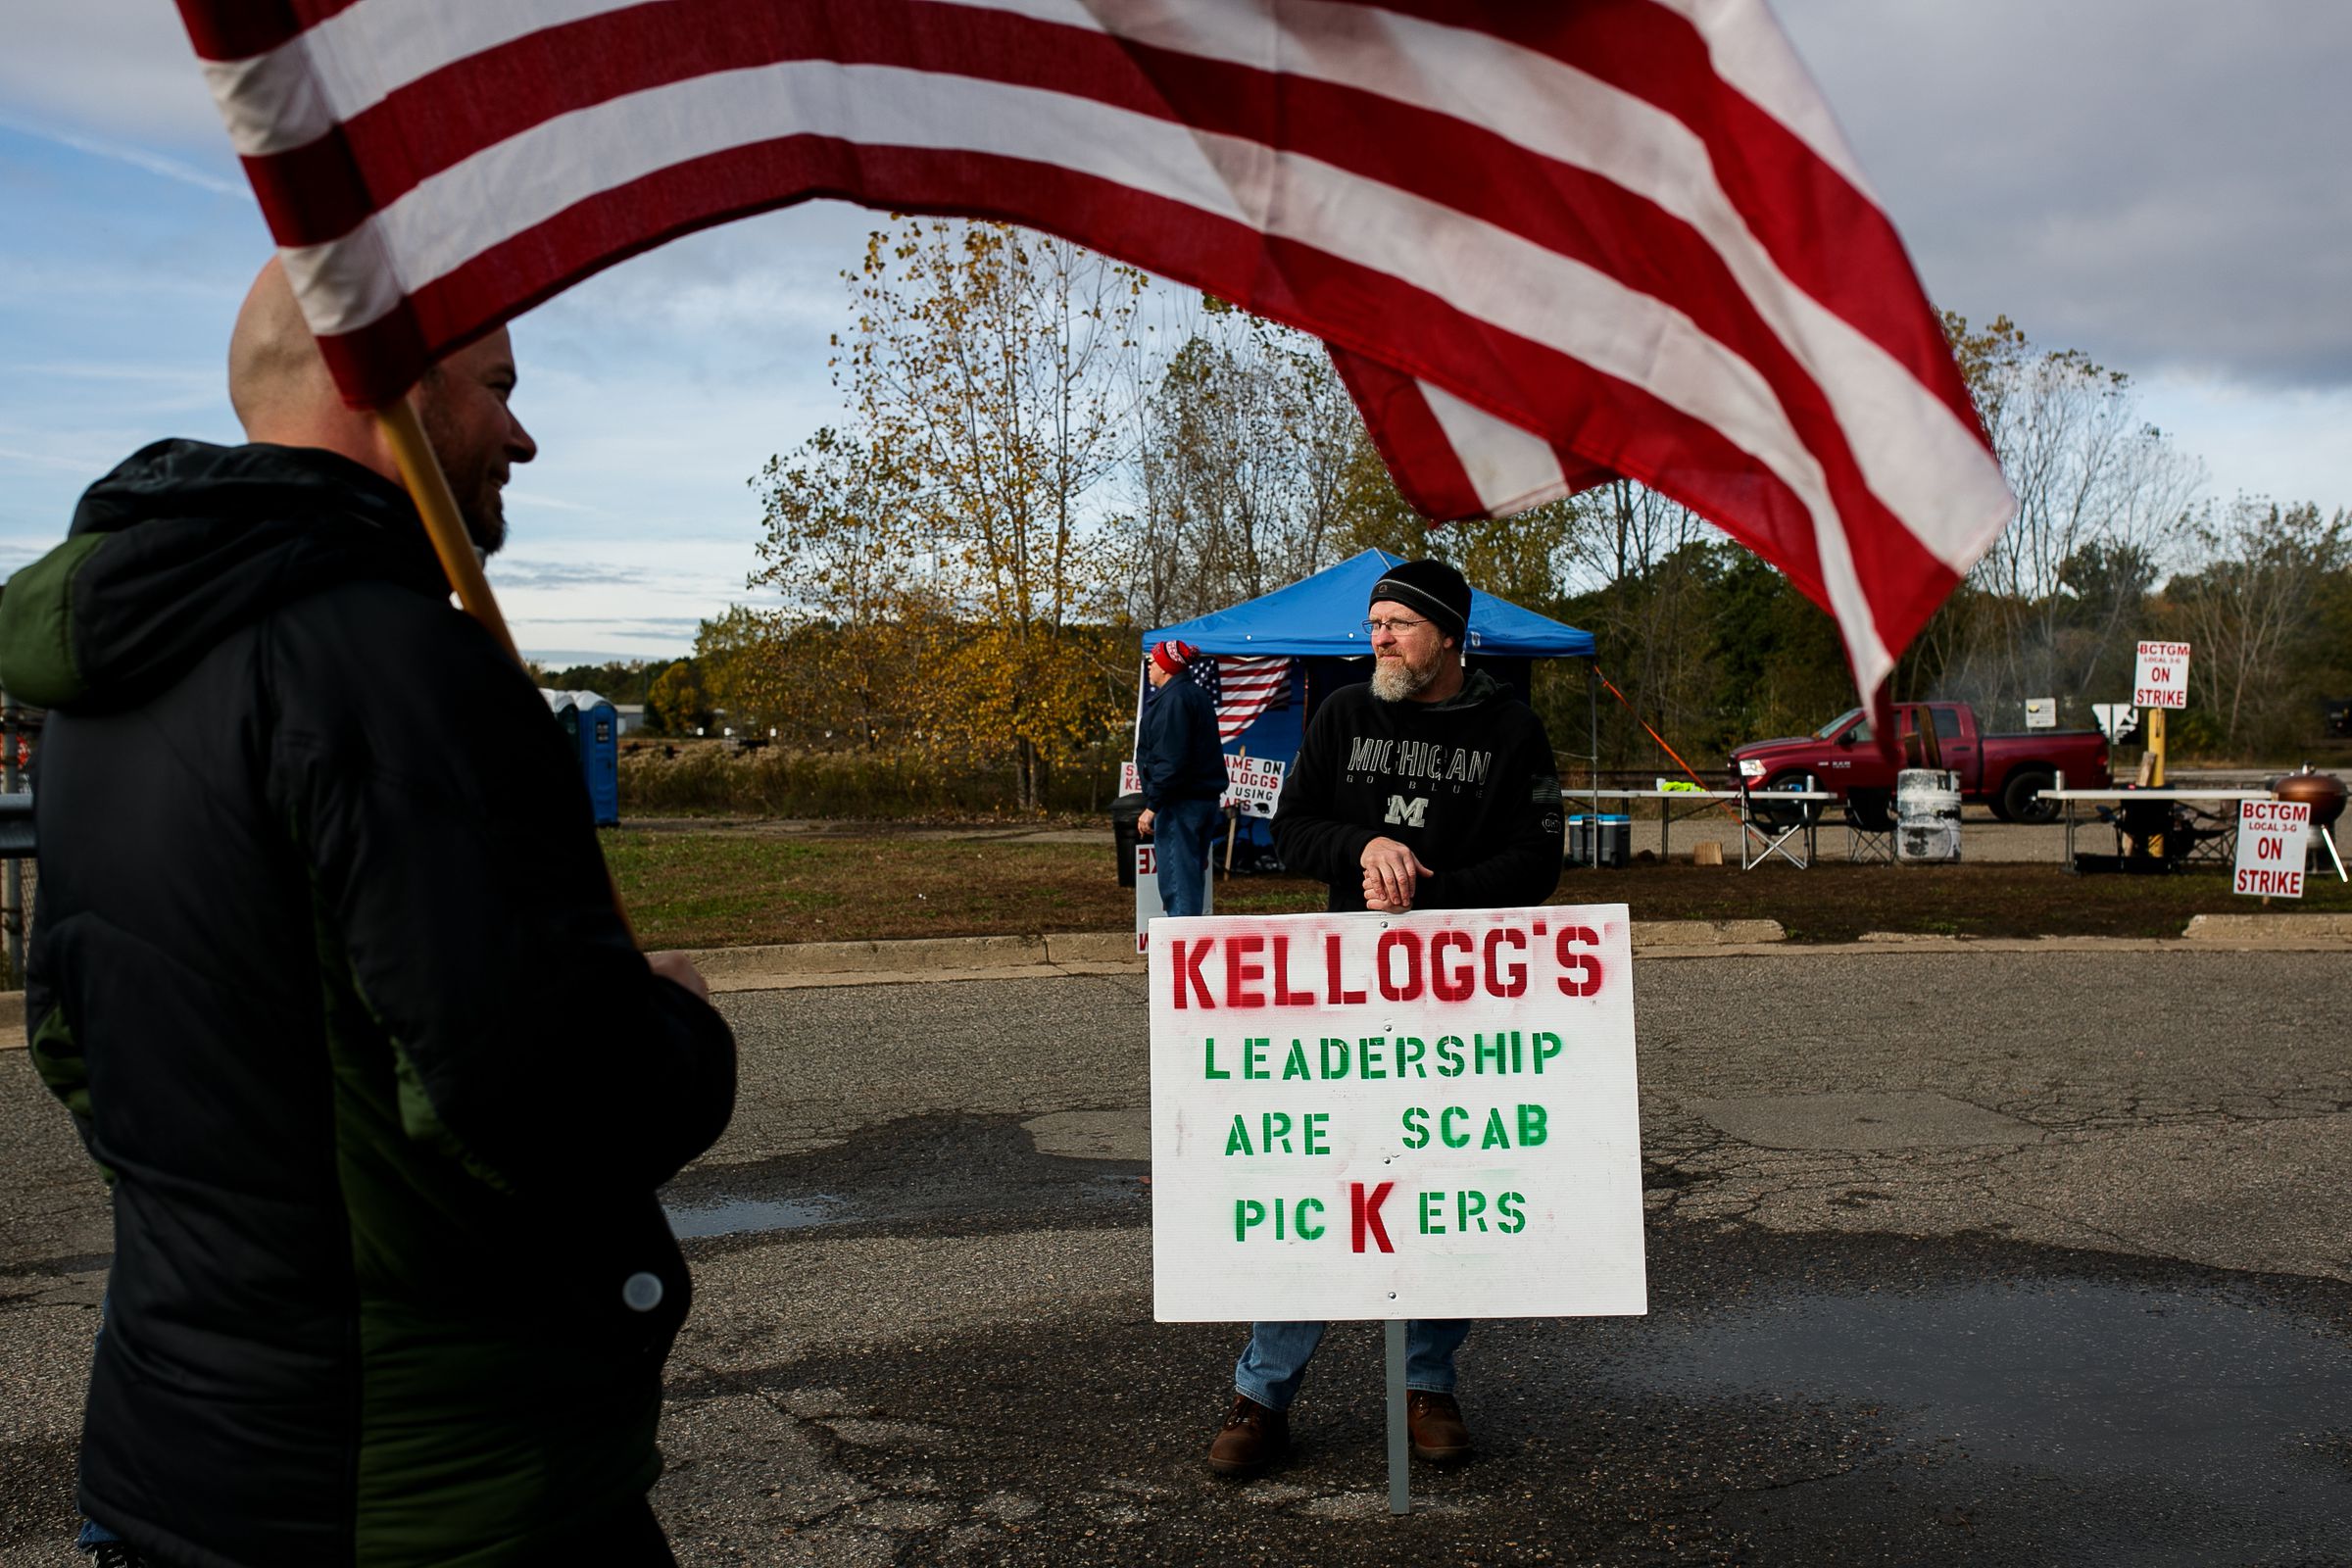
x=2160 y=675
x=1147 y=907
x=2272 y=838
x=1395 y=1116
x=1131 y=779
x=1252 y=784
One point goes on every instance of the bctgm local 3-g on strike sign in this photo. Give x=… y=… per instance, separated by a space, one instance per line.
x=1395 y=1116
x=2160 y=675
x=2273 y=839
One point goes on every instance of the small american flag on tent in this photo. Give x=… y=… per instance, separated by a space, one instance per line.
x=1242 y=688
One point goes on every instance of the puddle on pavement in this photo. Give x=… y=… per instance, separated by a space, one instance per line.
x=2240 y=1410
x=760 y=1216
x=964 y=1173
x=740 y=1217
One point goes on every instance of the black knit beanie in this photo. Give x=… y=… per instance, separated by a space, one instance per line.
x=1433 y=588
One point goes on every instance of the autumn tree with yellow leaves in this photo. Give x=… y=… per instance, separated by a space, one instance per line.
x=946 y=561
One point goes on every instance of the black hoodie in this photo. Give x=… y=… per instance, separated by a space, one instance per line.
x=326 y=966
x=1468 y=784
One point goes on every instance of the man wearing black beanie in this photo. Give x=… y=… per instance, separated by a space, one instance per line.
x=1431 y=788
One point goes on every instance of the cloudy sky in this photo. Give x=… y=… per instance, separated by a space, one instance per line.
x=2148 y=181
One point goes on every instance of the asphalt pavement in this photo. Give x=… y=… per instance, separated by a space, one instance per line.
x=1954 y=1257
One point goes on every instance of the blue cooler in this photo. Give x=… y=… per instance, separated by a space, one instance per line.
x=1612 y=841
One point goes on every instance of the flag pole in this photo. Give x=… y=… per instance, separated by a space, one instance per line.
x=427 y=486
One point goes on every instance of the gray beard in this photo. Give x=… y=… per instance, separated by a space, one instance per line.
x=1396 y=680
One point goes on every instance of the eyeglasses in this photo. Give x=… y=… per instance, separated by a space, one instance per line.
x=1395 y=628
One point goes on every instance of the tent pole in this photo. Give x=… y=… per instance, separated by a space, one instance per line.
x=1135 y=731
x=1593 y=714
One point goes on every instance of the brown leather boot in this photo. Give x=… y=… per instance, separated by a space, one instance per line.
x=1251 y=1439
x=1434 y=1422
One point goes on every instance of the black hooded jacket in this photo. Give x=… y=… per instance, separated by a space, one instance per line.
x=327 y=965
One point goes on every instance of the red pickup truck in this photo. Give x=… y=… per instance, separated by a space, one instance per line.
x=2004 y=771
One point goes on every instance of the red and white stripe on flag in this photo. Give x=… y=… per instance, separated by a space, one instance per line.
x=1548 y=244
x=1246 y=688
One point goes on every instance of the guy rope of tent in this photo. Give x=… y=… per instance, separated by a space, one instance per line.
x=1547 y=244
x=1600 y=676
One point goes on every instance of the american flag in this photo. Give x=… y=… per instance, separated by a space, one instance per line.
x=1548 y=243
x=1242 y=688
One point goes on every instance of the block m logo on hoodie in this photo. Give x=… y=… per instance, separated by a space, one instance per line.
x=1410 y=813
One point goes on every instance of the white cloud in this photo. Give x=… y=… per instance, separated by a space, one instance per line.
x=2155 y=182
x=2290 y=446
x=62 y=462
x=122 y=67
x=525 y=498
x=153 y=163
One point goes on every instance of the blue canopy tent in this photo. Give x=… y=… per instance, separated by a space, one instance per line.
x=1323 y=615
x=1318 y=622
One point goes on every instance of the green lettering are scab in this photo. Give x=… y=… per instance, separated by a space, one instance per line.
x=1275 y=1134
x=1458 y=1127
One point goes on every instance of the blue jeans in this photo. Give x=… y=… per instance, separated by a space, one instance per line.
x=1274 y=1361
x=1182 y=830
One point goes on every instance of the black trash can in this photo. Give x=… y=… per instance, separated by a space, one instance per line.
x=1123 y=812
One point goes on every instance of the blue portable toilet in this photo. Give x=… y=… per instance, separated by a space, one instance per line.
x=592 y=726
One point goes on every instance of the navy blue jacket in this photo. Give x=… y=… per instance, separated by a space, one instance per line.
x=1176 y=750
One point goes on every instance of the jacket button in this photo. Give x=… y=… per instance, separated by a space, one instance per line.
x=641 y=1291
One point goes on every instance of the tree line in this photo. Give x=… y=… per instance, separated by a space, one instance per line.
x=1040 y=455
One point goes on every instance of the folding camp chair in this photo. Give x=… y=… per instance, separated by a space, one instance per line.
x=1767 y=826
x=1864 y=844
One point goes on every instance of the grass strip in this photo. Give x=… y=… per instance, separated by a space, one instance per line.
x=731 y=888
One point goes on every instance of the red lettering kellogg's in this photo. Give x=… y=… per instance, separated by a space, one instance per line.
x=1455 y=964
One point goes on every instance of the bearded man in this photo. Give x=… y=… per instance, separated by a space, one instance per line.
x=327 y=970
x=1431 y=788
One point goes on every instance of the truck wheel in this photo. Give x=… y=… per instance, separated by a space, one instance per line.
x=1809 y=812
x=1872 y=811
x=2018 y=803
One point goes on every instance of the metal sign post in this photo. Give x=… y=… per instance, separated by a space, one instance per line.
x=1378 y=1117
x=1400 y=1474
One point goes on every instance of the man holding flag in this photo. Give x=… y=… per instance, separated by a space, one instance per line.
x=328 y=971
